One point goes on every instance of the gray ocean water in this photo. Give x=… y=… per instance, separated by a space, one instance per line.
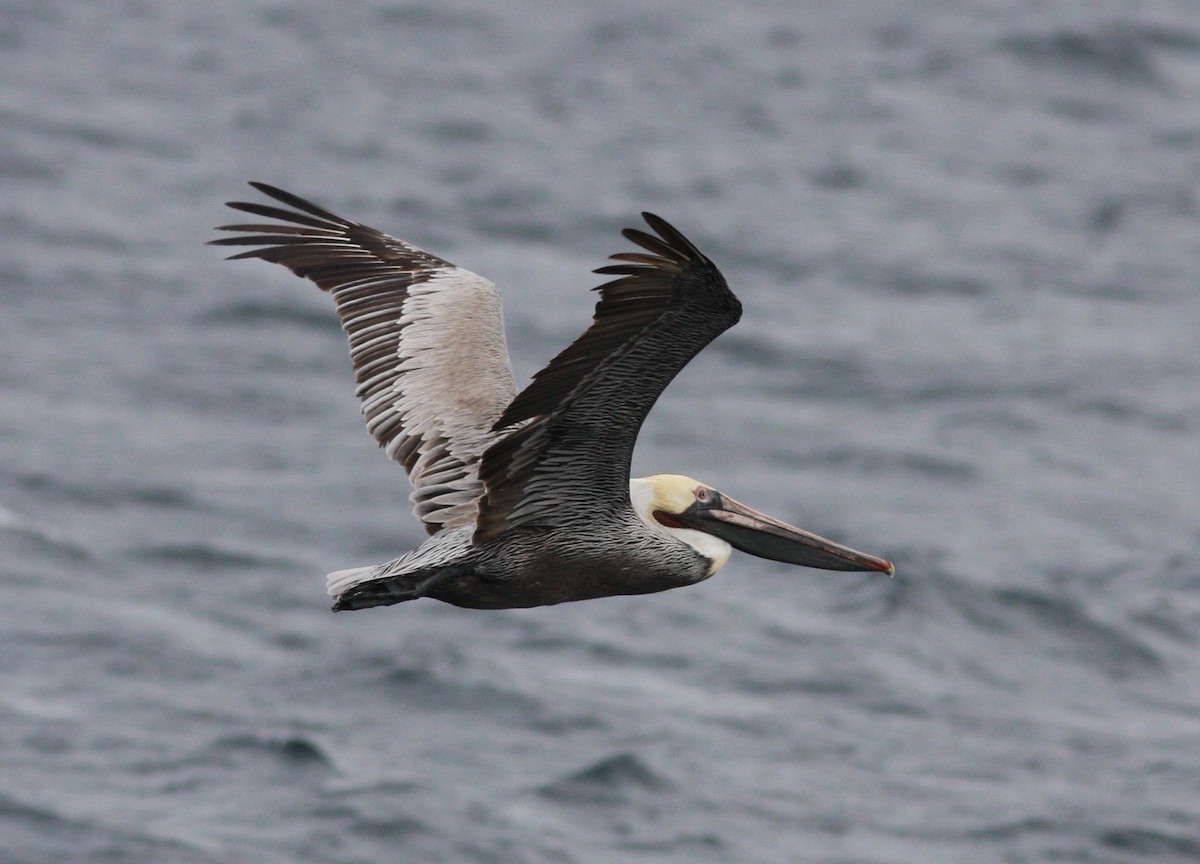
x=967 y=239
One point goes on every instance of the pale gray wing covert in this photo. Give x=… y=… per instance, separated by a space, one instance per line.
x=426 y=341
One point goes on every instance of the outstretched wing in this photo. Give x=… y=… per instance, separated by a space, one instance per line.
x=426 y=340
x=585 y=408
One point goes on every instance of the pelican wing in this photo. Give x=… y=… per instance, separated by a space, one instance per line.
x=583 y=411
x=426 y=341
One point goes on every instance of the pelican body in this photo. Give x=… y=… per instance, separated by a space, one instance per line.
x=526 y=496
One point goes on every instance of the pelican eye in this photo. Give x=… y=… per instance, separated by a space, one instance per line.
x=703 y=494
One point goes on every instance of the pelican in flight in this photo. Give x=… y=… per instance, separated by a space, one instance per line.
x=526 y=496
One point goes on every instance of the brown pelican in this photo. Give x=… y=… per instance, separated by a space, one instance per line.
x=527 y=496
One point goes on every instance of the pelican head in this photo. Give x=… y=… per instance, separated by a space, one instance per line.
x=714 y=524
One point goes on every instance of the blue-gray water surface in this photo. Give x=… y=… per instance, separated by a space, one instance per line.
x=967 y=239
